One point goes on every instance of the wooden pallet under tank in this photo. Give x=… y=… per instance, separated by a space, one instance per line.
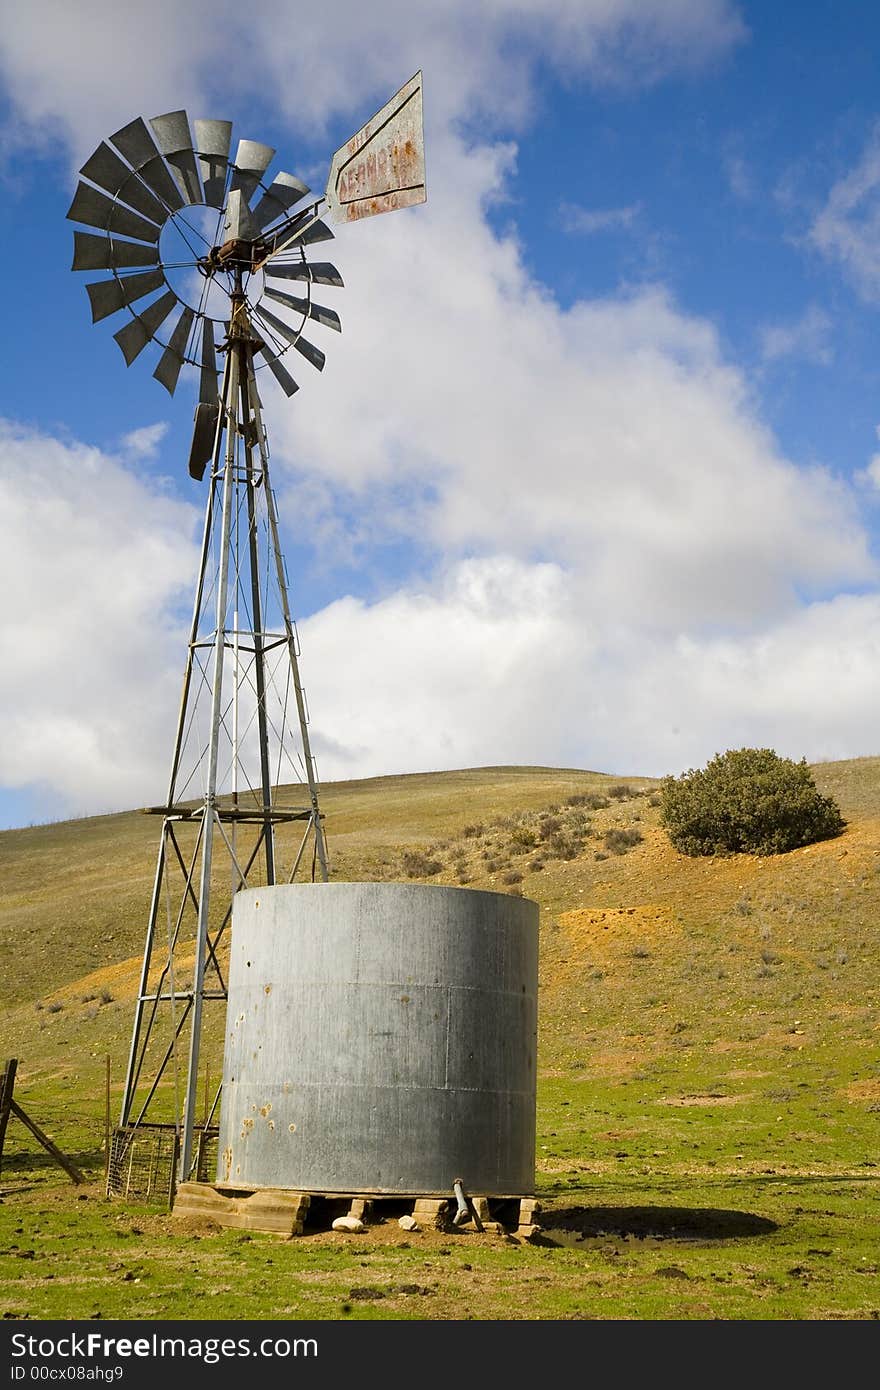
x=280 y=1211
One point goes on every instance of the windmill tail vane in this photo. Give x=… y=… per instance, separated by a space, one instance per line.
x=205 y=255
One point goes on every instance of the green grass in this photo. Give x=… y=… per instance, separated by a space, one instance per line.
x=708 y=1094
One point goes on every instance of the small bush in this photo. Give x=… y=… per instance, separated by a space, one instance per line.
x=417 y=864
x=514 y=876
x=549 y=826
x=522 y=838
x=536 y=865
x=747 y=801
x=618 y=840
x=620 y=792
x=470 y=832
x=562 y=846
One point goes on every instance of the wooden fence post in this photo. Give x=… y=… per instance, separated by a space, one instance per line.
x=9 y=1106
x=7 y=1085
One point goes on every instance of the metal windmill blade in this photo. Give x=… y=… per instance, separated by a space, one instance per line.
x=328 y=317
x=319 y=272
x=175 y=141
x=293 y=336
x=250 y=164
x=103 y=253
x=286 y=189
x=138 y=147
x=213 y=139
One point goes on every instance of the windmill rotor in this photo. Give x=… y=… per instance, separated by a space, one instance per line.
x=150 y=177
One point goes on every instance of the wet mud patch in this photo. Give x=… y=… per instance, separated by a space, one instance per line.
x=571 y=1225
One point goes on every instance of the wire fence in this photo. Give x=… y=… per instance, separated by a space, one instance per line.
x=143 y=1162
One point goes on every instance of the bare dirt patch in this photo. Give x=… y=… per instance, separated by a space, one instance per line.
x=594 y=932
x=709 y=1099
x=867 y=1090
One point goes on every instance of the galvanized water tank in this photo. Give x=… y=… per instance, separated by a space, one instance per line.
x=380 y=1038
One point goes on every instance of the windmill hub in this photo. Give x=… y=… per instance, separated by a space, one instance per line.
x=246 y=255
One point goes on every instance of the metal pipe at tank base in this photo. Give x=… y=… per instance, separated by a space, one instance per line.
x=379 y=1037
x=466 y=1209
x=463 y=1211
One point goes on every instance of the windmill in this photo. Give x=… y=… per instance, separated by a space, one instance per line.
x=209 y=259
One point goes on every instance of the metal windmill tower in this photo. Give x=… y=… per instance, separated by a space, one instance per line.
x=176 y=215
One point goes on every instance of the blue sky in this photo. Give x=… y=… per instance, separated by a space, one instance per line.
x=591 y=477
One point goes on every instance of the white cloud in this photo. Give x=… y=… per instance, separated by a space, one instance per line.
x=505 y=663
x=847 y=229
x=807 y=337
x=92 y=566
x=445 y=676
x=586 y=221
x=612 y=438
x=739 y=177
x=144 y=443
x=869 y=476
x=79 y=71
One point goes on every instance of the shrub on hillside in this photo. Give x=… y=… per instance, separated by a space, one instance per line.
x=747 y=801
x=417 y=864
x=620 y=838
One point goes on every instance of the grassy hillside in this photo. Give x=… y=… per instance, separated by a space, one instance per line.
x=708 y=1074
